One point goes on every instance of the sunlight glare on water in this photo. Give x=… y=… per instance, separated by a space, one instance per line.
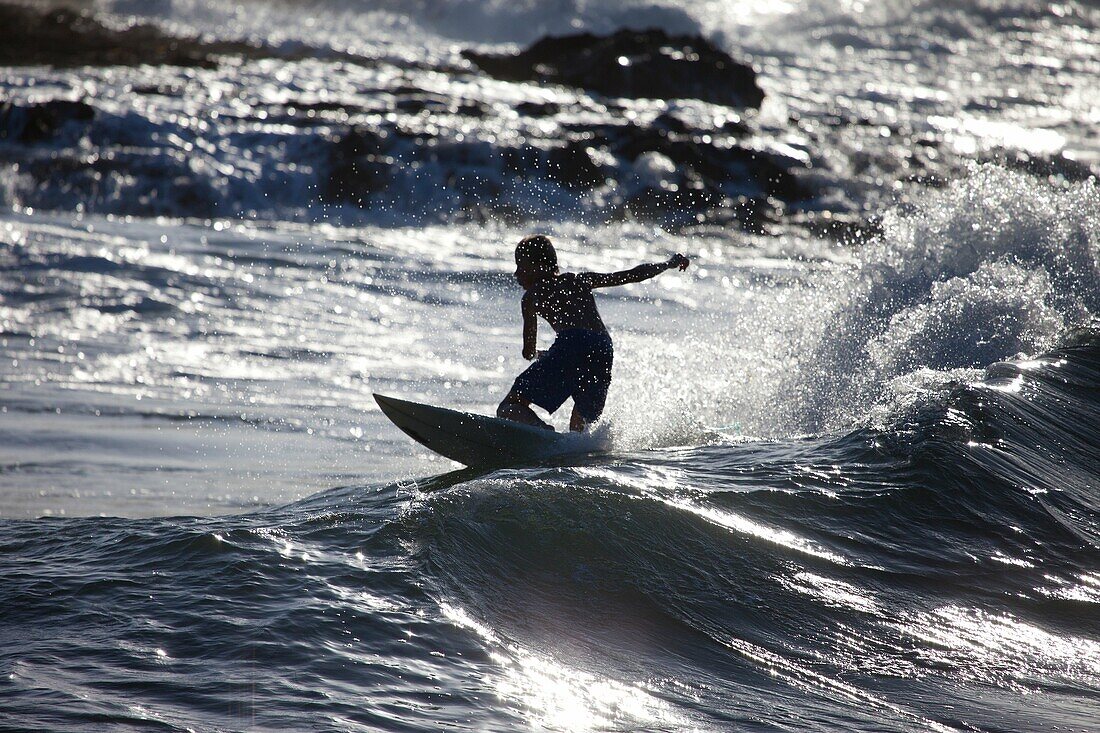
x=561 y=697
x=1000 y=648
x=660 y=483
x=845 y=480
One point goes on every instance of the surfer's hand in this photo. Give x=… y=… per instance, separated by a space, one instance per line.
x=531 y=354
x=678 y=260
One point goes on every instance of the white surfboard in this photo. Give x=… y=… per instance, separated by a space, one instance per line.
x=479 y=440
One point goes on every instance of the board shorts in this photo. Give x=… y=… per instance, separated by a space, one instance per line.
x=577 y=365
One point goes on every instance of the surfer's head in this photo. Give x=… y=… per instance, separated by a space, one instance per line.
x=535 y=260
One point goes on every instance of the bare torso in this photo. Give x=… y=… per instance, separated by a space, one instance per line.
x=566 y=302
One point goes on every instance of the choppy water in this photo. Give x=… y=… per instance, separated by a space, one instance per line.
x=853 y=486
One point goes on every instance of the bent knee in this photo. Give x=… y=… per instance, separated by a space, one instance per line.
x=509 y=404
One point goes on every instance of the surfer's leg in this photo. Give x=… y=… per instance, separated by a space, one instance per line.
x=593 y=376
x=577 y=423
x=540 y=384
x=516 y=407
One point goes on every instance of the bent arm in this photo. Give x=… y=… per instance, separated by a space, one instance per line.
x=530 y=327
x=633 y=275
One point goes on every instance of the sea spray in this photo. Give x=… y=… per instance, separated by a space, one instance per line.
x=993 y=265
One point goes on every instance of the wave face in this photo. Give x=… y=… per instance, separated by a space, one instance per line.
x=854 y=468
x=930 y=577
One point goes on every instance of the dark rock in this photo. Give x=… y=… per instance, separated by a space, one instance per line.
x=776 y=179
x=538 y=109
x=471 y=186
x=160 y=90
x=188 y=193
x=733 y=127
x=323 y=106
x=668 y=171
x=39 y=122
x=414 y=100
x=62 y=37
x=635 y=64
x=473 y=109
x=521 y=161
x=671 y=207
x=630 y=141
x=421 y=103
x=574 y=167
x=359 y=166
x=571 y=165
x=669 y=122
x=716 y=165
x=1052 y=166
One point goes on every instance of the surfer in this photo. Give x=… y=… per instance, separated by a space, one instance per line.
x=578 y=364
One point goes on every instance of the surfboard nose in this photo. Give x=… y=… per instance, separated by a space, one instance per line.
x=469 y=438
x=391 y=406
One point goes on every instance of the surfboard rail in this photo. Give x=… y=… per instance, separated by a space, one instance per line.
x=470 y=439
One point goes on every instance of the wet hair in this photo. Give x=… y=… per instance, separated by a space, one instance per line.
x=537 y=253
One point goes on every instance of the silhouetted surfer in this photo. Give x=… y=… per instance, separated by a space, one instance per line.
x=578 y=364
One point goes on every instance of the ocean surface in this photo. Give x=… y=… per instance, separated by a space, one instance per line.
x=854 y=476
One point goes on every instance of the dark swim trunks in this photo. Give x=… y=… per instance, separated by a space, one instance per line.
x=578 y=365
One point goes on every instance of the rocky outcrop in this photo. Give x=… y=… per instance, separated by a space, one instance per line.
x=407 y=149
x=360 y=166
x=34 y=123
x=667 y=173
x=62 y=37
x=648 y=64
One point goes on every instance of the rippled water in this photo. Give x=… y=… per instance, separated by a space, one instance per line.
x=853 y=484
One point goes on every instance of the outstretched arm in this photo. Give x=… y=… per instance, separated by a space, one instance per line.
x=530 y=326
x=634 y=274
